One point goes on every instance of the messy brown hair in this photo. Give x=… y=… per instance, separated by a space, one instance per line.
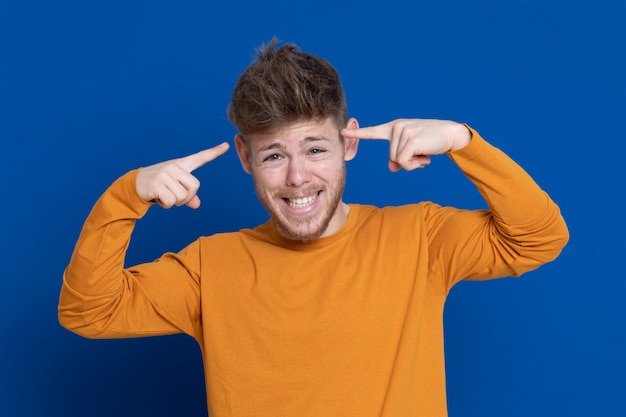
x=285 y=85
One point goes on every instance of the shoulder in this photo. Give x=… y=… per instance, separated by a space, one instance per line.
x=394 y=212
x=395 y=217
x=241 y=238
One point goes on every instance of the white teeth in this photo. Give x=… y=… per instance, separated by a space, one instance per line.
x=299 y=203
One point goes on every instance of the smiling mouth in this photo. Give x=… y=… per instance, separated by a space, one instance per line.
x=301 y=202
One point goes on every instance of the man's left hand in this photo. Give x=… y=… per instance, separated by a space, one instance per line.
x=413 y=141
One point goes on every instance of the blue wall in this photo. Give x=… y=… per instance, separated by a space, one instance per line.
x=91 y=89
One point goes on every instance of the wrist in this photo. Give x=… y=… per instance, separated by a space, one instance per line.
x=461 y=136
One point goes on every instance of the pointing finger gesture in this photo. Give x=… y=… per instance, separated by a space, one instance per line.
x=171 y=183
x=413 y=141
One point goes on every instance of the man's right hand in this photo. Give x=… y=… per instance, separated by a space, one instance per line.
x=170 y=183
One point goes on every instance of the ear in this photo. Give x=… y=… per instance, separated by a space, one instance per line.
x=244 y=153
x=351 y=144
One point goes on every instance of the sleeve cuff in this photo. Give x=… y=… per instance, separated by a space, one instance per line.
x=124 y=190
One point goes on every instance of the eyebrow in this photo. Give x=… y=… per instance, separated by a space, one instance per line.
x=278 y=145
x=273 y=145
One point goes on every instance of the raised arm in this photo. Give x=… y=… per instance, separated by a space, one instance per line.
x=523 y=227
x=102 y=299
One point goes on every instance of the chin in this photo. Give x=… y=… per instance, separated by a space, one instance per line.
x=299 y=235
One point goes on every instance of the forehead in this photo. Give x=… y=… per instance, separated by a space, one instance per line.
x=297 y=133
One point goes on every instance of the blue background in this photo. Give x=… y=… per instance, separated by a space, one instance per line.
x=92 y=89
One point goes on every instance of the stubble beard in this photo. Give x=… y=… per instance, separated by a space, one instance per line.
x=299 y=229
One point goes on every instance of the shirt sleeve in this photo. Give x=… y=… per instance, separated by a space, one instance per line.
x=101 y=299
x=521 y=230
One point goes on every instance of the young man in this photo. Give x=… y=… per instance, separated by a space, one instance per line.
x=328 y=309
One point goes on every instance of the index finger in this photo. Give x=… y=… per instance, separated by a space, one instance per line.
x=196 y=160
x=373 y=132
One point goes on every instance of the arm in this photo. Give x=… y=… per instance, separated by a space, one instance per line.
x=523 y=227
x=102 y=299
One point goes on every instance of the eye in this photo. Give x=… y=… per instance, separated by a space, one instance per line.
x=272 y=157
x=316 y=151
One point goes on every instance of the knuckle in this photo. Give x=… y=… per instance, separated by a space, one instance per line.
x=166 y=202
x=396 y=129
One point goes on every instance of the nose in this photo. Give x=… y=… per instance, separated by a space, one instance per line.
x=297 y=173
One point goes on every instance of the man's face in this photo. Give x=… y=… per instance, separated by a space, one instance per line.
x=299 y=175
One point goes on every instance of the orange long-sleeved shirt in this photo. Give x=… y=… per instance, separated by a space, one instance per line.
x=348 y=325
